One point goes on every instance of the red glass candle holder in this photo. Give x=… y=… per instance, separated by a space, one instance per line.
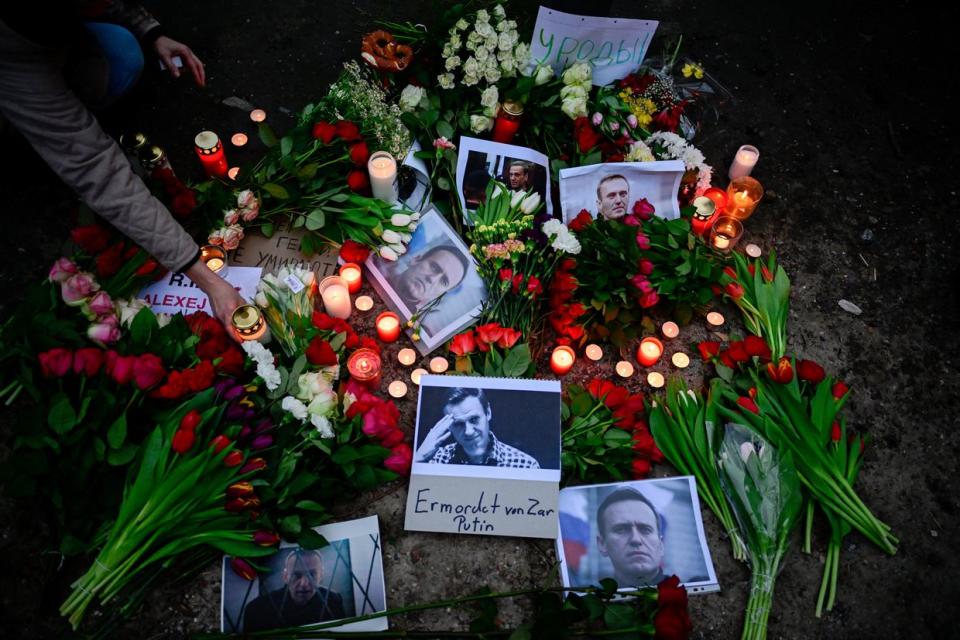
x=508 y=121
x=562 y=359
x=352 y=276
x=210 y=151
x=388 y=326
x=649 y=351
x=364 y=366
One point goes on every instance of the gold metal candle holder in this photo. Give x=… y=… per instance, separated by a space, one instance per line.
x=248 y=322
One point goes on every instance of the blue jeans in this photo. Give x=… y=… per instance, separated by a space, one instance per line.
x=123 y=55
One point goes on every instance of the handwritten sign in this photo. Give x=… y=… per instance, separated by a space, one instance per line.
x=282 y=249
x=498 y=507
x=614 y=46
x=177 y=293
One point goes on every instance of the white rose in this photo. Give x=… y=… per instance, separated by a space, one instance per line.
x=391 y=237
x=461 y=24
x=499 y=11
x=232 y=236
x=411 y=96
x=505 y=42
x=323 y=403
x=471 y=67
x=447 y=51
x=482 y=16
x=490 y=97
x=530 y=203
x=521 y=54
x=492 y=75
x=573 y=91
x=578 y=74
x=388 y=254
x=482 y=55
x=452 y=63
x=400 y=219
x=574 y=108
x=491 y=42
x=479 y=124
x=295 y=407
x=543 y=74
x=455 y=42
x=445 y=81
x=470 y=80
x=508 y=64
x=127 y=310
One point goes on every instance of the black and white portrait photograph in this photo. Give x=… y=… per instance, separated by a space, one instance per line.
x=489 y=424
x=519 y=168
x=436 y=278
x=637 y=533
x=301 y=586
x=610 y=190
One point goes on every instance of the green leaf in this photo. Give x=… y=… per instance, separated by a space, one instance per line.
x=117 y=432
x=286 y=146
x=315 y=220
x=143 y=326
x=267 y=136
x=616 y=437
x=267 y=229
x=308 y=171
x=62 y=416
x=618 y=616
x=291 y=525
x=122 y=456
x=310 y=505
x=276 y=191
x=445 y=129
x=517 y=361
x=310 y=539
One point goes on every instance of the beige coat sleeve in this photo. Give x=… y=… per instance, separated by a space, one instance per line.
x=35 y=99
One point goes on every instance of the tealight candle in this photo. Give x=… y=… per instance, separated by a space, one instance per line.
x=210 y=151
x=407 y=356
x=650 y=351
x=743 y=196
x=388 y=326
x=753 y=250
x=624 y=369
x=397 y=389
x=364 y=367
x=680 y=360
x=351 y=274
x=725 y=234
x=239 y=139
x=215 y=258
x=233 y=172
x=655 y=379
x=382 y=168
x=364 y=303
x=562 y=359
x=715 y=318
x=670 y=330
x=258 y=115
x=744 y=161
x=416 y=374
x=335 y=296
x=439 y=364
x=594 y=352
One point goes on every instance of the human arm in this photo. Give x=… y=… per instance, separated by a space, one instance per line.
x=436 y=437
x=224 y=298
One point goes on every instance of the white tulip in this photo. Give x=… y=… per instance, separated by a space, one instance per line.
x=388 y=254
x=400 y=219
x=391 y=237
x=398 y=248
x=516 y=199
x=530 y=203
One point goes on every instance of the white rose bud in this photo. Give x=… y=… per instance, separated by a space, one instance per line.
x=543 y=74
x=479 y=124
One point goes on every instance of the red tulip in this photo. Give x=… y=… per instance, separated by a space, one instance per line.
x=243 y=569
x=92 y=238
x=835 y=431
x=463 y=343
x=781 y=372
x=709 y=349
x=220 y=443
x=253 y=464
x=488 y=334
x=749 y=405
x=766 y=273
x=734 y=290
x=810 y=371
x=738 y=351
x=730 y=272
x=183 y=441
x=353 y=251
x=839 y=389
x=509 y=338
x=266 y=538
x=240 y=490
x=190 y=420
x=757 y=346
x=233 y=459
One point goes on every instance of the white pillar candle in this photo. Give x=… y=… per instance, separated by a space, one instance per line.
x=744 y=161
x=383 y=176
x=336 y=298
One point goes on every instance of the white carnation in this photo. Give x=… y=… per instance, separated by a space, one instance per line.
x=322 y=424
x=294 y=407
x=445 y=80
x=452 y=63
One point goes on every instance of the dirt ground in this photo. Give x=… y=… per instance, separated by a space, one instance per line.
x=848 y=106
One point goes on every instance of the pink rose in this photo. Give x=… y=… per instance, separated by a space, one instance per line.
x=643 y=241
x=630 y=221
x=120 y=368
x=148 y=371
x=649 y=299
x=56 y=362
x=643 y=209
x=100 y=305
x=230 y=216
x=216 y=237
x=247 y=200
x=641 y=283
x=104 y=331
x=399 y=459
x=62 y=269
x=645 y=266
x=249 y=214
x=232 y=236
x=77 y=288
x=443 y=143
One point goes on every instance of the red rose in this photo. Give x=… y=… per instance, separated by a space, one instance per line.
x=734 y=290
x=509 y=338
x=672 y=623
x=358 y=181
x=649 y=299
x=324 y=131
x=748 y=404
x=615 y=397
x=231 y=362
x=810 y=371
x=92 y=238
x=148 y=371
x=347 y=130
x=110 y=261
x=381 y=419
x=581 y=222
x=120 y=368
x=391 y=439
x=781 y=372
x=643 y=441
x=839 y=389
x=353 y=251
x=488 y=334
x=184 y=203
x=463 y=343
x=671 y=594
x=321 y=353
x=359 y=154
x=88 y=361
x=645 y=266
x=709 y=349
x=643 y=209
x=183 y=441
x=323 y=321
x=643 y=242
x=756 y=346
x=399 y=459
x=56 y=362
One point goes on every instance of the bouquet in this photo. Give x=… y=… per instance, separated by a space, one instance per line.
x=287 y=301
x=762 y=293
x=492 y=351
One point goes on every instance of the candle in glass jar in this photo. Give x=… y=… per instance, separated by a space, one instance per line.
x=624 y=369
x=650 y=351
x=743 y=196
x=407 y=356
x=364 y=303
x=439 y=364
x=215 y=257
x=562 y=359
x=594 y=352
x=744 y=161
x=416 y=374
x=507 y=122
x=388 y=326
x=725 y=234
x=680 y=360
x=383 y=176
x=397 y=389
x=210 y=151
x=705 y=212
x=655 y=379
x=670 y=330
x=335 y=296
x=351 y=274
x=248 y=322
x=364 y=367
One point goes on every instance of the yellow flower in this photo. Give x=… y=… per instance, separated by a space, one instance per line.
x=692 y=69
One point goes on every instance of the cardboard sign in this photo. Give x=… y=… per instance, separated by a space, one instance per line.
x=614 y=46
x=282 y=249
x=487 y=459
x=177 y=293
